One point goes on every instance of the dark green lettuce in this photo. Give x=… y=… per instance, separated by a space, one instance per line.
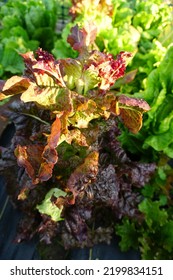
x=25 y=25
x=156 y=133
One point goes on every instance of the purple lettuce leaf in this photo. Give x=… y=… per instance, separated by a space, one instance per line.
x=29 y=132
x=81 y=39
x=42 y=66
x=83 y=174
x=13 y=86
x=111 y=193
x=108 y=68
x=131 y=111
x=39 y=160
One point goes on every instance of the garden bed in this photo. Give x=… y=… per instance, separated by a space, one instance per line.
x=87 y=165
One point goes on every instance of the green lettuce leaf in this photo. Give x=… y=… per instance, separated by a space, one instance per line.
x=167 y=236
x=50 y=209
x=128 y=234
x=154 y=215
x=160 y=117
x=156 y=133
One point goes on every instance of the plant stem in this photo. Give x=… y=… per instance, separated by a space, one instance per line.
x=3 y=209
x=37 y=118
x=90 y=253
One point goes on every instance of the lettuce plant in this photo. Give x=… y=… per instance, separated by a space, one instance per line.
x=141 y=27
x=25 y=25
x=65 y=168
x=156 y=133
x=153 y=235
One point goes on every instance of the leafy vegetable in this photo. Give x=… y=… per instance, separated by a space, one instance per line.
x=39 y=160
x=153 y=233
x=157 y=129
x=133 y=26
x=47 y=206
x=26 y=25
x=49 y=84
x=65 y=168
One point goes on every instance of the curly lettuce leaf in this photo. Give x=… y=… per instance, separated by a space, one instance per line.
x=43 y=63
x=25 y=26
x=160 y=118
x=167 y=236
x=14 y=85
x=107 y=68
x=54 y=98
x=81 y=39
x=39 y=160
x=86 y=8
x=131 y=111
x=84 y=173
x=85 y=110
x=128 y=234
x=49 y=83
x=154 y=215
x=47 y=207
